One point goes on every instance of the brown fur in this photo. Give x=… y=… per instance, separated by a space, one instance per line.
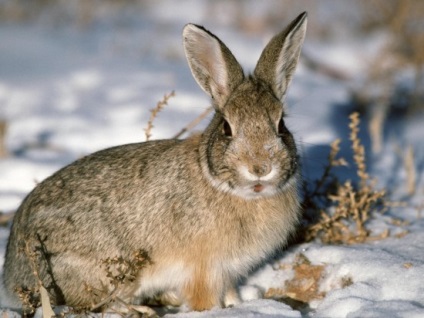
x=200 y=291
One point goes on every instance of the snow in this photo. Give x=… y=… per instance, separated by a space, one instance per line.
x=66 y=92
x=254 y=308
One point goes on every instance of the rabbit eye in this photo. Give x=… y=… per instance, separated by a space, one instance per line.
x=226 y=128
x=282 y=129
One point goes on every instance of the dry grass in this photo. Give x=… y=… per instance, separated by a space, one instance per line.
x=3 y=131
x=191 y=125
x=344 y=210
x=32 y=298
x=154 y=113
x=80 y=12
x=120 y=272
x=401 y=18
x=304 y=286
x=411 y=173
x=5 y=218
x=382 y=93
x=347 y=206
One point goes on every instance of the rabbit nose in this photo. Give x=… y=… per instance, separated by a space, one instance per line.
x=260 y=170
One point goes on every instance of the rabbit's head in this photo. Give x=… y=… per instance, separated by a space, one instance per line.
x=247 y=149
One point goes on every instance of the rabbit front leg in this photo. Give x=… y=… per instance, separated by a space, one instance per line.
x=232 y=297
x=203 y=291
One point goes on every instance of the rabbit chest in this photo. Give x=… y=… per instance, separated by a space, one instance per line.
x=254 y=231
x=230 y=242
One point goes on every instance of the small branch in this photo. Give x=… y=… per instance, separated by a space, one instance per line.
x=411 y=173
x=3 y=131
x=155 y=111
x=5 y=218
x=106 y=300
x=193 y=123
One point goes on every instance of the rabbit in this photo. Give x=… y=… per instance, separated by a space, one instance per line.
x=206 y=210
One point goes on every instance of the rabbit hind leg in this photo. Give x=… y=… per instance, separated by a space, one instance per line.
x=81 y=281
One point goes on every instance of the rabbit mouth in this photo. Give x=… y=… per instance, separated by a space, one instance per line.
x=257 y=190
x=252 y=186
x=259 y=187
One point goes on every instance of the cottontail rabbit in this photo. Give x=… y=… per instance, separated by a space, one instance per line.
x=206 y=209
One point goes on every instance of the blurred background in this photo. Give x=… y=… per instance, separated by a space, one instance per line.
x=80 y=75
x=390 y=33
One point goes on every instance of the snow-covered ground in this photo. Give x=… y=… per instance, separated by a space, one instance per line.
x=67 y=90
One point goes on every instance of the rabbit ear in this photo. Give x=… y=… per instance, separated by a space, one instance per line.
x=212 y=64
x=279 y=58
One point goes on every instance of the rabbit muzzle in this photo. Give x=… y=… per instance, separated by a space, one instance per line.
x=258 y=181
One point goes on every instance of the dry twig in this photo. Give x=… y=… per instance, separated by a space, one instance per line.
x=34 y=297
x=193 y=123
x=411 y=173
x=120 y=272
x=3 y=131
x=5 y=218
x=344 y=219
x=155 y=111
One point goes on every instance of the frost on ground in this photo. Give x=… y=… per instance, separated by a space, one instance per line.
x=65 y=93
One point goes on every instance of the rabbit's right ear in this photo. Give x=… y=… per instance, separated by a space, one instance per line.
x=212 y=64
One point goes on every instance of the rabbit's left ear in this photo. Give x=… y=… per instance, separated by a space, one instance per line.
x=212 y=64
x=279 y=58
